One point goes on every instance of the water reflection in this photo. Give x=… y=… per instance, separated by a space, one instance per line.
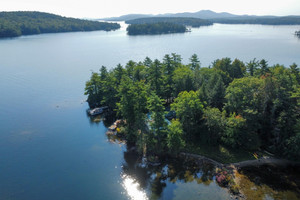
x=161 y=181
x=133 y=189
x=184 y=178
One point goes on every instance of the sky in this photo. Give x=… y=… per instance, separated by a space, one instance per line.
x=115 y=8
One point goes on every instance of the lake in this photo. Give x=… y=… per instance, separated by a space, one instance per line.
x=51 y=149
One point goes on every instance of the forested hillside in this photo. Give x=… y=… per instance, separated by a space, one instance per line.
x=13 y=24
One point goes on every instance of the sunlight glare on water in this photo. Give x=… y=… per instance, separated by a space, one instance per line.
x=132 y=188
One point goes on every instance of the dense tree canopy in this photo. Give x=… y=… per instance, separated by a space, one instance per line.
x=186 y=21
x=242 y=105
x=288 y=20
x=13 y=24
x=155 y=28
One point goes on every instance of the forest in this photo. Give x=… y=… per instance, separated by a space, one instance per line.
x=13 y=24
x=289 y=20
x=250 y=105
x=155 y=28
x=186 y=21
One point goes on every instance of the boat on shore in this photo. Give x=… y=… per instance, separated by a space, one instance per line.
x=97 y=111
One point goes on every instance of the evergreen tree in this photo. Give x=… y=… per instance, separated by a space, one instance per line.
x=157 y=134
x=195 y=62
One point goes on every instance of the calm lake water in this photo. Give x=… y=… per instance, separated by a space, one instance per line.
x=50 y=148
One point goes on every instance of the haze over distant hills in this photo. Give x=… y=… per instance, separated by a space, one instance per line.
x=203 y=14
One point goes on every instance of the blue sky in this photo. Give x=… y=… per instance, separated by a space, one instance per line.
x=110 y=8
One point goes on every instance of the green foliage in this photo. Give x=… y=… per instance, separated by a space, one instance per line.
x=215 y=121
x=215 y=97
x=157 y=28
x=189 y=110
x=186 y=21
x=289 y=20
x=169 y=66
x=14 y=24
x=183 y=79
x=259 y=108
x=132 y=106
x=175 y=140
x=156 y=138
x=235 y=69
x=93 y=90
x=252 y=67
x=292 y=147
x=155 y=77
x=195 y=62
x=263 y=68
x=295 y=72
x=243 y=94
x=234 y=129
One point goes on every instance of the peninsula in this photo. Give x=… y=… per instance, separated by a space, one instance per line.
x=14 y=24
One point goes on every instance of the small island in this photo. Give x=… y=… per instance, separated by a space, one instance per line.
x=186 y=21
x=14 y=24
x=163 y=25
x=155 y=28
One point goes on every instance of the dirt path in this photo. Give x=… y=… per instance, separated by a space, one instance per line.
x=247 y=163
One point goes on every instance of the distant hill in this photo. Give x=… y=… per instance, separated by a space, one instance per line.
x=186 y=21
x=13 y=24
x=203 y=14
x=223 y=17
x=126 y=17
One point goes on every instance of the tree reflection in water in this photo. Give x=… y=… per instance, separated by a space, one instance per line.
x=154 y=179
x=183 y=178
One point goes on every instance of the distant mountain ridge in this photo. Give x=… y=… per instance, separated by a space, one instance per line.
x=203 y=14
x=127 y=17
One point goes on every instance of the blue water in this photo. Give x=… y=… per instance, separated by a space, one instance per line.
x=50 y=149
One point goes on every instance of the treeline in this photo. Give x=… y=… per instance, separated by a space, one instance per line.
x=155 y=28
x=260 y=20
x=242 y=105
x=186 y=21
x=13 y=24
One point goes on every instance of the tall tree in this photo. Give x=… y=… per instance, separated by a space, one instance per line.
x=263 y=67
x=252 y=66
x=296 y=72
x=189 y=110
x=168 y=69
x=133 y=106
x=194 y=62
x=156 y=137
x=216 y=96
x=183 y=79
x=155 y=77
